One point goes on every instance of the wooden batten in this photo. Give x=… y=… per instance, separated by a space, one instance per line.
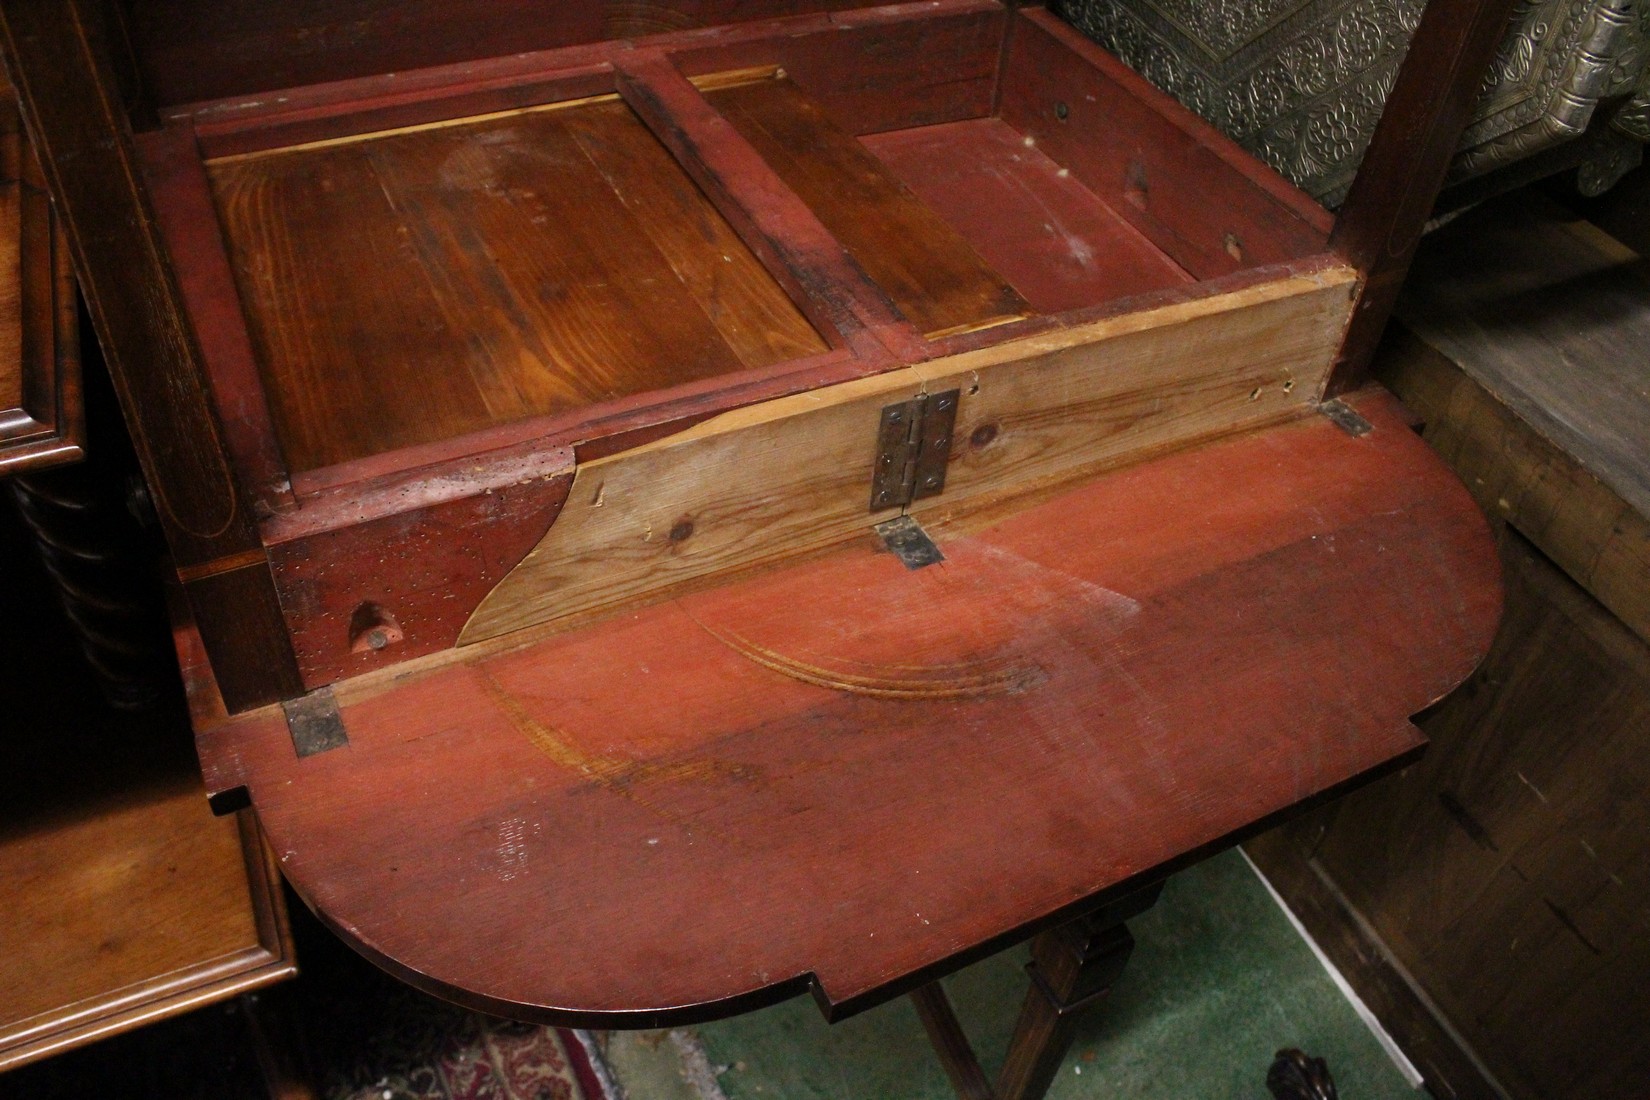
x=789 y=476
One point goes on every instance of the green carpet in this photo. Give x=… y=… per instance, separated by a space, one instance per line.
x=1219 y=981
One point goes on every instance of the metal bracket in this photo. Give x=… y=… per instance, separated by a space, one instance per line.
x=1345 y=417
x=909 y=542
x=913 y=446
x=314 y=723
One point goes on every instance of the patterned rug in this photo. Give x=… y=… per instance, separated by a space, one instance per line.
x=366 y=1036
x=430 y=1051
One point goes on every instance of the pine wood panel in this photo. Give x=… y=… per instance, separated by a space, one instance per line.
x=494 y=270
x=1050 y=237
x=932 y=274
x=790 y=476
x=1047 y=409
x=687 y=809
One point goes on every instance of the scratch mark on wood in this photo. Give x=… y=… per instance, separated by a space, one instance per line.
x=965 y=680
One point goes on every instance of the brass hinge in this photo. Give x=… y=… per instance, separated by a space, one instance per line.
x=913 y=443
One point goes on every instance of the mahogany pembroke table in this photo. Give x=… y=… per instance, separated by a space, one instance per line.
x=682 y=504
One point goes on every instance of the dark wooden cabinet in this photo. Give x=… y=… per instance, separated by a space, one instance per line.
x=1491 y=900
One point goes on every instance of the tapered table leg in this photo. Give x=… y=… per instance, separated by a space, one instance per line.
x=1071 y=967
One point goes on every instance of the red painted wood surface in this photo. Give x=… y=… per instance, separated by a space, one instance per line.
x=205 y=49
x=1036 y=225
x=769 y=217
x=188 y=222
x=852 y=774
x=1162 y=167
x=883 y=69
x=419 y=572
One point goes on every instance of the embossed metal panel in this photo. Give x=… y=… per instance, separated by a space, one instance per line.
x=1300 y=83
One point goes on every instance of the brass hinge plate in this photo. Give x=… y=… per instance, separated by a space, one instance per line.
x=913 y=444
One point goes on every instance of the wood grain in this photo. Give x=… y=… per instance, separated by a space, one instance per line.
x=1050 y=237
x=1551 y=317
x=1488 y=890
x=1207 y=204
x=419 y=571
x=1508 y=872
x=495 y=272
x=759 y=323
x=188 y=222
x=1047 y=409
x=773 y=220
x=783 y=477
x=135 y=912
x=891 y=67
x=1386 y=210
x=1283 y=856
x=1519 y=475
x=649 y=826
x=858 y=64
x=790 y=476
x=931 y=272
x=125 y=900
x=192 y=50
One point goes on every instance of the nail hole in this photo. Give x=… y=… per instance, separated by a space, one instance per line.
x=1254 y=394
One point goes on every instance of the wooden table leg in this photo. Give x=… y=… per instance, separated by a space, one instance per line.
x=933 y=1007
x=285 y=1074
x=1072 y=966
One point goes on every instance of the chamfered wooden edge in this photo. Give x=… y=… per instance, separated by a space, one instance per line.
x=1390 y=426
x=270 y=961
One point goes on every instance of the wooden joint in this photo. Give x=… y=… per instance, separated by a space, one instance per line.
x=1104 y=955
